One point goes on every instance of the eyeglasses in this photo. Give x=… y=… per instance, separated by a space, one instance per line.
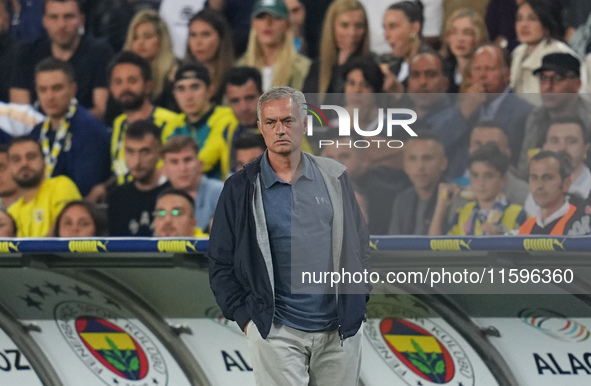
x=553 y=79
x=173 y=213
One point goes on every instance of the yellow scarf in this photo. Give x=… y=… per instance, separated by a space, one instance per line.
x=52 y=154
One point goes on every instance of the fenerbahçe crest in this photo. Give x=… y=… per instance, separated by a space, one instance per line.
x=420 y=352
x=112 y=347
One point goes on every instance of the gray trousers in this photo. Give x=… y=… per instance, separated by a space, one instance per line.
x=290 y=357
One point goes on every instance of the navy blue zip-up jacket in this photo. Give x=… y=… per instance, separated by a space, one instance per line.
x=240 y=262
x=85 y=151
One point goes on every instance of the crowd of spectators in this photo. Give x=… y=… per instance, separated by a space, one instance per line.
x=124 y=117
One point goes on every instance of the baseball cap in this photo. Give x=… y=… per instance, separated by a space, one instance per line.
x=560 y=62
x=276 y=8
x=194 y=70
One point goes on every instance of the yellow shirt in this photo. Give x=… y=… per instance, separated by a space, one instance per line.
x=200 y=233
x=36 y=217
x=167 y=120
x=213 y=133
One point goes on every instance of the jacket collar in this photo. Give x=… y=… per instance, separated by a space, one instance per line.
x=269 y=177
x=331 y=167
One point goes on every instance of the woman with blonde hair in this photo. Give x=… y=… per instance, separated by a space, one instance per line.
x=210 y=43
x=464 y=32
x=271 y=47
x=148 y=37
x=345 y=35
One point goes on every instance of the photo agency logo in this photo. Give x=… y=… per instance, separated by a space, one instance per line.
x=387 y=118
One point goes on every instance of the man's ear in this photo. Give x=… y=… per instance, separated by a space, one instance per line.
x=199 y=166
x=416 y=27
x=149 y=87
x=443 y=164
x=566 y=184
x=507 y=74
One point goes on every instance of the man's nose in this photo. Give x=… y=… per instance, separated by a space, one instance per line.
x=167 y=219
x=546 y=87
x=560 y=146
x=280 y=128
x=133 y=160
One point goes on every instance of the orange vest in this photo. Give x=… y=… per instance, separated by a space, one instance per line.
x=558 y=229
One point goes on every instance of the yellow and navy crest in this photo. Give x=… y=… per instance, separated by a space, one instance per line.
x=38 y=215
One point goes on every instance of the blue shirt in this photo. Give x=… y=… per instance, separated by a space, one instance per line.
x=90 y=62
x=27 y=25
x=299 y=221
x=206 y=201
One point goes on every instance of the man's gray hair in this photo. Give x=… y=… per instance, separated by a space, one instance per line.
x=283 y=92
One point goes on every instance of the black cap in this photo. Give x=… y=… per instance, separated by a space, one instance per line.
x=560 y=62
x=193 y=70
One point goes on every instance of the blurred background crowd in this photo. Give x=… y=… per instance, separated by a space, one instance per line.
x=124 y=117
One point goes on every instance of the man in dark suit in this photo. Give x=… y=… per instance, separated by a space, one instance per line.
x=491 y=98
